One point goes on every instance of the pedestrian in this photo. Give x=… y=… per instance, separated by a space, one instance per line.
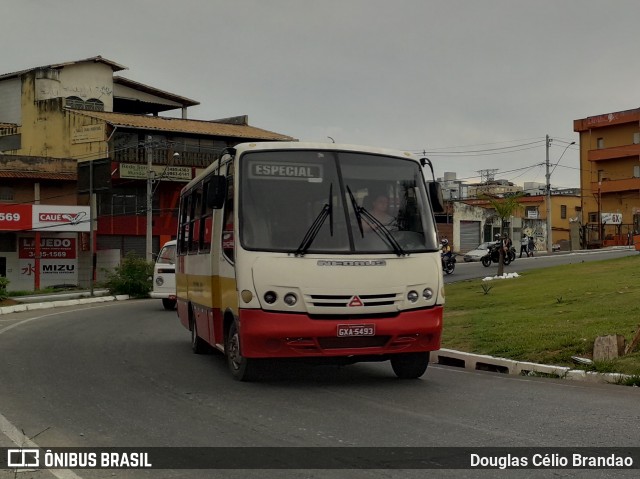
x=532 y=246
x=524 y=245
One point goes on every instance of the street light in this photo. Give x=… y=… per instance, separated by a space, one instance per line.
x=548 y=191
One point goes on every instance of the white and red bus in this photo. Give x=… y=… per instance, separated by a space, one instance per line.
x=312 y=251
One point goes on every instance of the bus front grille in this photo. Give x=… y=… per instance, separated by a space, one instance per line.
x=344 y=300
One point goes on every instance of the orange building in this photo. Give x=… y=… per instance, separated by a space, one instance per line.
x=610 y=176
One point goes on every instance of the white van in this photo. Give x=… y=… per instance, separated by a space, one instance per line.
x=164 y=276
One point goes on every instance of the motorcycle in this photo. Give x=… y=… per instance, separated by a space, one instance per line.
x=493 y=255
x=448 y=263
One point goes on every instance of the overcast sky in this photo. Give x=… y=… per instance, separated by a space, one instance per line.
x=476 y=84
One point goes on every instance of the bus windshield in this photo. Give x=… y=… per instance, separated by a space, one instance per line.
x=319 y=201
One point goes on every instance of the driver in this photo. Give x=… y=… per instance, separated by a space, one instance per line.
x=380 y=209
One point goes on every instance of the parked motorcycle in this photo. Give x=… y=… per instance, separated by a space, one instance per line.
x=448 y=263
x=493 y=255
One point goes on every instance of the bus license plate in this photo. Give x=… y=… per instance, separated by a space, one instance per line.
x=350 y=330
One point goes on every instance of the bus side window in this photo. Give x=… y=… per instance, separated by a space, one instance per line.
x=194 y=223
x=228 y=237
x=183 y=231
x=205 y=222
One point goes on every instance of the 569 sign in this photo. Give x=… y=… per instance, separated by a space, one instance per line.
x=9 y=216
x=15 y=217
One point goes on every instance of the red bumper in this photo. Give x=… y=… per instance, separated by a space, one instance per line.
x=278 y=335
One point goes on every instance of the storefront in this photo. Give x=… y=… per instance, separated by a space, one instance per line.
x=40 y=244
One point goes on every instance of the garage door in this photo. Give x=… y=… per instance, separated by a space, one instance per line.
x=136 y=244
x=469 y=235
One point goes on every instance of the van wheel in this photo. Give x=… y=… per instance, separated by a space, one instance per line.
x=198 y=345
x=242 y=369
x=169 y=304
x=410 y=365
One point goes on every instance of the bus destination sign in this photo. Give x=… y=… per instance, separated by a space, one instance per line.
x=286 y=171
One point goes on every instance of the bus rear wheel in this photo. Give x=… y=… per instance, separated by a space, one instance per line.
x=410 y=365
x=242 y=369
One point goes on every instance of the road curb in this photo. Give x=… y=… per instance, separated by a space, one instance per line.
x=480 y=362
x=18 y=308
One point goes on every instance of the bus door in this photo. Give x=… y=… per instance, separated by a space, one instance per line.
x=225 y=295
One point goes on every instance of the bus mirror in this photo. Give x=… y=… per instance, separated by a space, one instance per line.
x=217 y=192
x=435 y=196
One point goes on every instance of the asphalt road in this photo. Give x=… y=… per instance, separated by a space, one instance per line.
x=122 y=375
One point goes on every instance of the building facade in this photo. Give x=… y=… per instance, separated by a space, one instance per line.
x=610 y=177
x=530 y=219
x=111 y=129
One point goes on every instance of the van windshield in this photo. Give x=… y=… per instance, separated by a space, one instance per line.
x=167 y=255
x=319 y=201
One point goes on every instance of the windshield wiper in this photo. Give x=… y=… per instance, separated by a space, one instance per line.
x=376 y=225
x=314 y=229
x=382 y=231
x=356 y=210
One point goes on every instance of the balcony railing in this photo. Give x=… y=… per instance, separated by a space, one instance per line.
x=163 y=156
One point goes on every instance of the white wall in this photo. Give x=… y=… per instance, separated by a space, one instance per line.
x=84 y=80
x=464 y=212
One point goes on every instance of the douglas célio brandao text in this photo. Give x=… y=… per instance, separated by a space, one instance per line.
x=550 y=460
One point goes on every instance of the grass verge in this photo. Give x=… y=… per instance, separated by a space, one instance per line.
x=548 y=315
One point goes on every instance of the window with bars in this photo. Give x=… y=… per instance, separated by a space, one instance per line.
x=79 y=104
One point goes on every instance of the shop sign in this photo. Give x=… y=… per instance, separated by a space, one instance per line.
x=611 y=218
x=88 y=134
x=50 y=248
x=15 y=217
x=158 y=172
x=18 y=217
x=60 y=218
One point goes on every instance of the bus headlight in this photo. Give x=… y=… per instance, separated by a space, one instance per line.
x=290 y=299
x=270 y=297
x=246 y=296
x=159 y=281
x=427 y=294
x=413 y=296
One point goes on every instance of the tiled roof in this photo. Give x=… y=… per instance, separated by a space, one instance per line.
x=39 y=175
x=125 y=82
x=178 y=125
x=115 y=66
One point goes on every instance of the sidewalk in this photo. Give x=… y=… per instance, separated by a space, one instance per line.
x=58 y=300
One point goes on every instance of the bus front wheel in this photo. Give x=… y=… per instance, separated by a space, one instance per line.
x=242 y=369
x=410 y=365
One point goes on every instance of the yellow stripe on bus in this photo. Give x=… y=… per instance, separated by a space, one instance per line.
x=210 y=291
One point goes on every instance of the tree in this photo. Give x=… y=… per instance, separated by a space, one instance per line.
x=505 y=207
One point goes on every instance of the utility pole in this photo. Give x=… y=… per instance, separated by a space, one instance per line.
x=91 y=238
x=149 y=152
x=548 y=199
